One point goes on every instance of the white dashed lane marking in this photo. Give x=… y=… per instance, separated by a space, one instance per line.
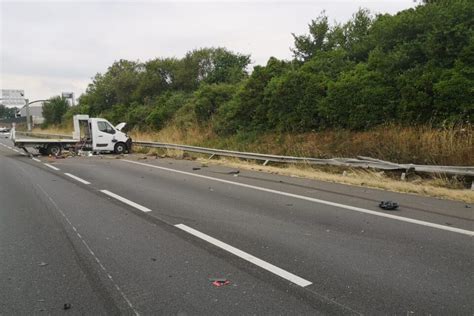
x=77 y=178
x=126 y=201
x=52 y=167
x=246 y=256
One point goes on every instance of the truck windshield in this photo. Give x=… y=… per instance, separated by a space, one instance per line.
x=105 y=127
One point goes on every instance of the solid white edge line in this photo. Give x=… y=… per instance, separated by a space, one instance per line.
x=77 y=178
x=246 y=256
x=126 y=201
x=37 y=160
x=51 y=166
x=307 y=198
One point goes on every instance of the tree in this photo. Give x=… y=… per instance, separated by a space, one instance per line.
x=6 y=112
x=360 y=99
x=248 y=108
x=165 y=108
x=54 y=109
x=293 y=101
x=209 y=98
x=212 y=66
x=306 y=46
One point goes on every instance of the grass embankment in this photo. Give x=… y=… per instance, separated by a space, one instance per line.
x=418 y=145
x=422 y=145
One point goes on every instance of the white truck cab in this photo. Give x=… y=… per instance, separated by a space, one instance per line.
x=101 y=135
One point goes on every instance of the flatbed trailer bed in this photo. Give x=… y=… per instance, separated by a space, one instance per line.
x=48 y=146
x=42 y=141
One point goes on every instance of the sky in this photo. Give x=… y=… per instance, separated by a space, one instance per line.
x=48 y=47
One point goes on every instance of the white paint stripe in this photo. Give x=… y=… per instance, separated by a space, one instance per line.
x=126 y=201
x=246 y=256
x=77 y=178
x=37 y=160
x=307 y=198
x=52 y=167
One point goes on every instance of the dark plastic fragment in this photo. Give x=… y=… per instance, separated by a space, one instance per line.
x=388 y=205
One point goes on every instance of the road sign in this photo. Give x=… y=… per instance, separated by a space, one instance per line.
x=12 y=98
x=68 y=95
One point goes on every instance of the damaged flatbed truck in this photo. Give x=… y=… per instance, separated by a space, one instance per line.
x=90 y=134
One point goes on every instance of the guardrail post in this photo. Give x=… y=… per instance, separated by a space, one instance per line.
x=266 y=162
x=472 y=185
x=210 y=157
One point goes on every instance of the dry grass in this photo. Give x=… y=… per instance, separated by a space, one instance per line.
x=420 y=145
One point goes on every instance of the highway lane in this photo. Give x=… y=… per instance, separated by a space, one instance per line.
x=368 y=263
x=102 y=258
x=362 y=262
x=39 y=270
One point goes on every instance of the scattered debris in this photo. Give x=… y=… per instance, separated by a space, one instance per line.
x=141 y=158
x=219 y=282
x=67 y=306
x=449 y=224
x=40 y=300
x=153 y=259
x=467 y=206
x=42 y=264
x=233 y=172
x=388 y=205
x=196 y=168
x=236 y=175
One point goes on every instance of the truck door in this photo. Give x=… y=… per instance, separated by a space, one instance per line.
x=103 y=135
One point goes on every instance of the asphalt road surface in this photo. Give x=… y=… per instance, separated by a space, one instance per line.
x=100 y=235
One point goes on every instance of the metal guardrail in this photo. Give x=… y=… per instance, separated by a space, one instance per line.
x=360 y=162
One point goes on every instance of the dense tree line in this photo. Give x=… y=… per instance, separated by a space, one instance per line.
x=414 y=67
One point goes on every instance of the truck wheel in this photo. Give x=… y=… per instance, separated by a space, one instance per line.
x=120 y=148
x=54 y=149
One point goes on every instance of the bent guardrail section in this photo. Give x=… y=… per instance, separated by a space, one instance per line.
x=360 y=161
